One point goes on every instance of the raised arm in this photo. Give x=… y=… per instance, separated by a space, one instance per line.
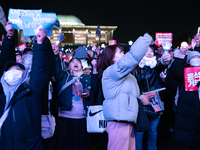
x=130 y=60
x=59 y=73
x=43 y=65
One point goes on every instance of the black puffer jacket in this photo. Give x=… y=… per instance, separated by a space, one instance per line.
x=187 y=119
x=22 y=127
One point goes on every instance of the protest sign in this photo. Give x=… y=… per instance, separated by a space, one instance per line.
x=15 y=16
x=160 y=37
x=2 y=17
x=32 y=24
x=21 y=47
x=154 y=98
x=192 y=77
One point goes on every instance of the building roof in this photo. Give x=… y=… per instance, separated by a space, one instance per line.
x=69 y=20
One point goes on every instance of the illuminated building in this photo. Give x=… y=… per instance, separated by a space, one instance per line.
x=77 y=33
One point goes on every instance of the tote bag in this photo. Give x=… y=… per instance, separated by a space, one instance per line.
x=96 y=122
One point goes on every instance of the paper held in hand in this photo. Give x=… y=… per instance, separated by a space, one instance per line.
x=154 y=98
x=192 y=77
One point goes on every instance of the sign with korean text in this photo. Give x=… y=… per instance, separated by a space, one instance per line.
x=161 y=36
x=15 y=16
x=192 y=77
x=32 y=24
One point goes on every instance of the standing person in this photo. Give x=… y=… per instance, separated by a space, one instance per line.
x=147 y=74
x=187 y=117
x=21 y=128
x=121 y=90
x=71 y=133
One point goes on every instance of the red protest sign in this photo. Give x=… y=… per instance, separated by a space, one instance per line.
x=192 y=77
x=21 y=47
x=162 y=36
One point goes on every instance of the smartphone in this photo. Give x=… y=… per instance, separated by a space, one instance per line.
x=84 y=94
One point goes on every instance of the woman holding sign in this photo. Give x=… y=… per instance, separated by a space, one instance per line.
x=147 y=74
x=187 y=119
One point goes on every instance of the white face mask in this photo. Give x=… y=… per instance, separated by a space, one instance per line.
x=195 y=62
x=13 y=76
x=27 y=61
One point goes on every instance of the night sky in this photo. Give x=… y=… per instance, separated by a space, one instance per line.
x=133 y=17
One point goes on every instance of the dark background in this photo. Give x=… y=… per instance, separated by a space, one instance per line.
x=133 y=17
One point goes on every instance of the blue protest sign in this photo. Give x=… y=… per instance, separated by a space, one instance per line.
x=15 y=16
x=31 y=25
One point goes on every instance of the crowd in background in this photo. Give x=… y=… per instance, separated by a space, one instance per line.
x=115 y=77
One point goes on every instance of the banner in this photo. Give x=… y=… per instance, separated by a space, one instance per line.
x=15 y=16
x=192 y=77
x=32 y=24
x=160 y=37
x=2 y=17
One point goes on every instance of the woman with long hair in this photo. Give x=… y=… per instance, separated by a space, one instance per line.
x=121 y=91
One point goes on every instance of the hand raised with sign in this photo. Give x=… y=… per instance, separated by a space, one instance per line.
x=9 y=30
x=197 y=39
x=55 y=49
x=41 y=36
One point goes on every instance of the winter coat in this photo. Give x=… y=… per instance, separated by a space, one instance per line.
x=96 y=93
x=148 y=78
x=22 y=127
x=64 y=101
x=120 y=88
x=187 y=118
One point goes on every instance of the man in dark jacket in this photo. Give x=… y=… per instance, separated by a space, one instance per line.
x=22 y=126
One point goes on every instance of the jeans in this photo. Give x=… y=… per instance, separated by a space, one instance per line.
x=152 y=135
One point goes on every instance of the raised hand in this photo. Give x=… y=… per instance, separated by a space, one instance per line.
x=166 y=57
x=197 y=39
x=9 y=29
x=41 y=36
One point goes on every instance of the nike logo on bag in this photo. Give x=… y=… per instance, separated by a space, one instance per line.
x=92 y=114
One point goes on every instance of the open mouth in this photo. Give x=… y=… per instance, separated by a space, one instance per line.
x=75 y=66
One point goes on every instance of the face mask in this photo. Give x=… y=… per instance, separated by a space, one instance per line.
x=195 y=62
x=27 y=61
x=13 y=76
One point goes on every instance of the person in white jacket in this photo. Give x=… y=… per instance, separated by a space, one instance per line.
x=121 y=91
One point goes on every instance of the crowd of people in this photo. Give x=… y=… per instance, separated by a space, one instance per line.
x=40 y=81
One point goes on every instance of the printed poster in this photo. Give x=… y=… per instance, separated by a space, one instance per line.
x=155 y=100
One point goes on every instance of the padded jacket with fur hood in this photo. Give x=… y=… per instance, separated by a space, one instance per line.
x=120 y=88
